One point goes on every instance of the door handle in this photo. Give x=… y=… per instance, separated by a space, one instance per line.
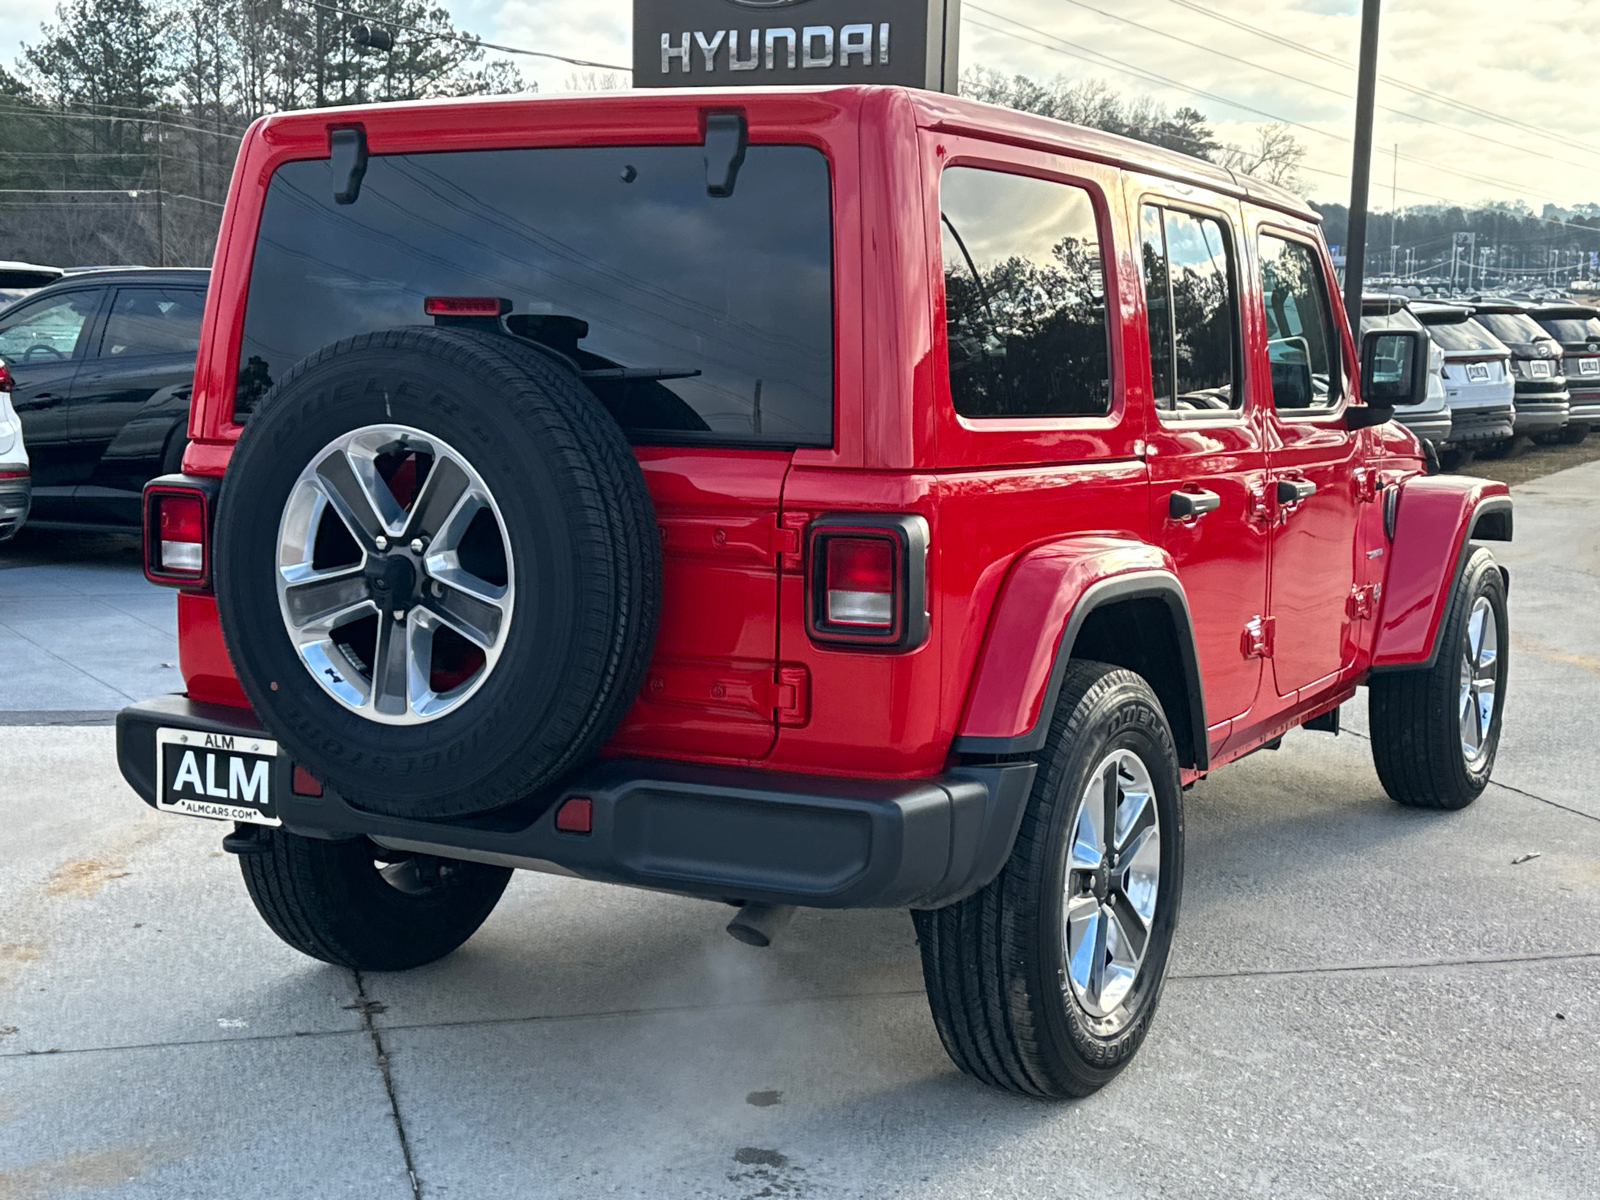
x=1190 y=506
x=1294 y=491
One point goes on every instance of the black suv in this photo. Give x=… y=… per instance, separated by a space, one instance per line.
x=1577 y=328
x=1543 y=402
x=104 y=365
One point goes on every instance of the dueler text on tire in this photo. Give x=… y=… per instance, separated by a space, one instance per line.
x=354 y=905
x=1046 y=981
x=1435 y=731
x=438 y=571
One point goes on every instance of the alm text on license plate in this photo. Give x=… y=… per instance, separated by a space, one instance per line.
x=219 y=776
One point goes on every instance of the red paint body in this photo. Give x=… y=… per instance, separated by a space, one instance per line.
x=1025 y=515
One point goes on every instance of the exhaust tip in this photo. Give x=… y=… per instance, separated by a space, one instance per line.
x=758 y=924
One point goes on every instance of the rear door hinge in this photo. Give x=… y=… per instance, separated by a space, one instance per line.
x=791 y=694
x=1258 y=637
x=1366 y=483
x=1363 y=602
x=791 y=540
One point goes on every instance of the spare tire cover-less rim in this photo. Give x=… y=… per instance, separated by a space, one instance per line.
x=537 y=642
x=405 y=568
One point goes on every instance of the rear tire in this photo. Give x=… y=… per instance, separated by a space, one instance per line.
x=1005 y=986
x=1432 y=743
x=334 y=902
x=1572 y=435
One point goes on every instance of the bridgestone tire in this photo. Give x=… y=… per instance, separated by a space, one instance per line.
x=332 y=901
x=994 y=964
x=587 y=568
x=1415 y=716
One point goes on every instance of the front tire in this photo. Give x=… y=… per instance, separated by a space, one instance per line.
x=1046 y=981
x=1435 y=732
x=354 y=905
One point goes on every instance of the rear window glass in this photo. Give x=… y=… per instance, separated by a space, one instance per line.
x=1567 y=329
x=614 y=256
x=1465 y=335
x=1400 y=318
x=1515 y=328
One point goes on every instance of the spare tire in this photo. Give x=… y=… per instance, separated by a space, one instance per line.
x=437 y=569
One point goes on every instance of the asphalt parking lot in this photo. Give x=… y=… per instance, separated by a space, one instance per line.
x=1366 y=1001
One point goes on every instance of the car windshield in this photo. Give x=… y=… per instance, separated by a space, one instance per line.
x=1465 y=335
x=711 y=315
x=1567 y=329
x=1512 y=328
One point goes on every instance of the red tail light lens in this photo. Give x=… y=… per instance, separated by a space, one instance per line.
x=860 y=579
x=868 y=581
x=177 y=533
x=465 y=306
x=6 y=382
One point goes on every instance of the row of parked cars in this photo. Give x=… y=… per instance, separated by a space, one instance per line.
x=96 y=370
x=1500 y=368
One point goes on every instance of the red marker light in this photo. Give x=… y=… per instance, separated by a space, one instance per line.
x=576 y=816
x=466 y=306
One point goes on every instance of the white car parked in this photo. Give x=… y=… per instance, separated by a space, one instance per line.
x=1430 y=420
x=1478 y=381
x=16 y=482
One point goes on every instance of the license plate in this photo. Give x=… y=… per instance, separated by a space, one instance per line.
x=1589 y=366
x=218 y=776
x=1477 y=372
x=1538 y=369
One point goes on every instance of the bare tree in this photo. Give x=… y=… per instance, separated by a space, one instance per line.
x=1274 y=157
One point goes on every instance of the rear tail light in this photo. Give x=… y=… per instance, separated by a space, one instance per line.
x=177 y=533
x=868 y=578
x=6 y=382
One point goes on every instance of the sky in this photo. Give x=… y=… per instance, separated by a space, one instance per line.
x=1534 y=69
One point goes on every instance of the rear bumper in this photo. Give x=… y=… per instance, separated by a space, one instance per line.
x=1434 y=426
x=1585 y=407
x=1469 y=426
x=717 y=832
x=16 y=497
x=1541 y=416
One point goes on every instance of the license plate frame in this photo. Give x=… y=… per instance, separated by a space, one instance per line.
x=217 y=776
x=1540 y=369
x=1589 y=366
x=1477 y=372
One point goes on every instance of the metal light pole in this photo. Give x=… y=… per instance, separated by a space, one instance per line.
x=1361 y=168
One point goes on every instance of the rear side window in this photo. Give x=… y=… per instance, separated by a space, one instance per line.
x=720 y=307
x=1300 y=338
x=1192 y=308
x=1025 y=297
x=153 y=321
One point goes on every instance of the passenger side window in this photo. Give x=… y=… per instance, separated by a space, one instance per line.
x=1193 y=312
x=48 y=330
x=153 y=321
x=1301 y=343
x=1025 y=297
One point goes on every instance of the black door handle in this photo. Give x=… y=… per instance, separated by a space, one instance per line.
x=1188 y=506
x=1293 y=491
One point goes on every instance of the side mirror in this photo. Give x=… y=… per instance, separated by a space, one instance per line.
x=1394 y=373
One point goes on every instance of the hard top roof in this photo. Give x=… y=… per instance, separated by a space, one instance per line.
x=933 y=110
x=97 y=275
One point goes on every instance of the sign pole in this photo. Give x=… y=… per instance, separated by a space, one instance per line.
x=1361 y=168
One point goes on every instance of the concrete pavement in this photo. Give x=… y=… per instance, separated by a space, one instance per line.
x=1366 y=1001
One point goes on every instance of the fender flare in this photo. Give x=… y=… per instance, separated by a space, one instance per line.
x=1048 y=595
x=1432 y=525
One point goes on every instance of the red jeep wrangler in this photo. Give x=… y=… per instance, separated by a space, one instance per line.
x=848 y=497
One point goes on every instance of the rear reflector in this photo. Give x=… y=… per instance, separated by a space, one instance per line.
x=305 y=783
x=860 y=581
x=576 y=816
x=466 y=306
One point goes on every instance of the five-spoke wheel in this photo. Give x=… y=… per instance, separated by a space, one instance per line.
x=1480 y=671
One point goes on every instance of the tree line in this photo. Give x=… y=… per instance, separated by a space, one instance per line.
x=119 y=125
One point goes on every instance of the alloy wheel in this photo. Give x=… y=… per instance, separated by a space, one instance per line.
x=1480 y=676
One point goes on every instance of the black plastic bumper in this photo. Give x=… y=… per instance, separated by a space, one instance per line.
x=1469 y=425
x=722 y=833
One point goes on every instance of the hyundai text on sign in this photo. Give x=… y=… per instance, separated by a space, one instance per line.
x=718 y=43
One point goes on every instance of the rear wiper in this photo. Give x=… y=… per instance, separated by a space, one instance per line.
x=645 y=373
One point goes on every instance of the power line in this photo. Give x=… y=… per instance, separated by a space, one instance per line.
x=151 y=118
x=1426 y=93
x=470 y=39
x=1300 y=79
x=1093 y=56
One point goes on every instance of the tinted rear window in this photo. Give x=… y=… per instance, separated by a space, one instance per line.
x=1567 y=329
x=1465 y=335
x=1515 y=328
x=616 y=257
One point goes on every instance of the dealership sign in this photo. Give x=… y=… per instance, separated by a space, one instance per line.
x=722 y=43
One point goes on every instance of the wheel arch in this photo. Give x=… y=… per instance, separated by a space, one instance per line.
x=1109 y=600
x=1432 y=528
